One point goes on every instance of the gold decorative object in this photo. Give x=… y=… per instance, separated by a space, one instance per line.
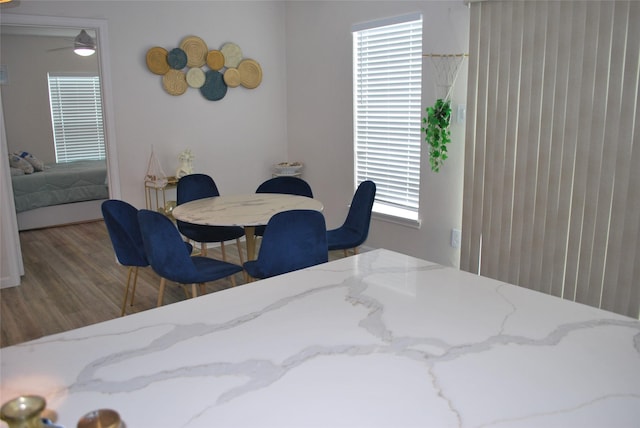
x=215 y=60
x=196 y=50
x=175 y=82
x=157 y=60
x=250 y=73
x=23 y=412
x=232 y=77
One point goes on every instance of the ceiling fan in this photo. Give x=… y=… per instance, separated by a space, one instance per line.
x=83 y=44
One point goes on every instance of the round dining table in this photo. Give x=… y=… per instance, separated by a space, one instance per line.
x=246 y=210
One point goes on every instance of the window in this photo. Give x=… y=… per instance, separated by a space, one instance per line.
x=387 y=80
x=76 y=114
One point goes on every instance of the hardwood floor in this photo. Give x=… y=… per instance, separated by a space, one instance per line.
x=72 y=280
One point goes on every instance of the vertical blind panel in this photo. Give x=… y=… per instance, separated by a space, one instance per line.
x=492 y=151
x=534 y=191
x=76 y=114
x=626 y=298
x=468 y=245
x=500 y=223
x=551 y=198
x=480 y=24
x=622 y=266
x=599 y=166
x=557 y=61
x=388 y=93
x=611 y=131
x=585 y=109
x=544 y=194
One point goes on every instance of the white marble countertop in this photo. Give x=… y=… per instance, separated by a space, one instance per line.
x=374 y=340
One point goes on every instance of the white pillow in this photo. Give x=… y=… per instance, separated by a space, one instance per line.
x=37 y=164
x=16 y=161
x=16 y=171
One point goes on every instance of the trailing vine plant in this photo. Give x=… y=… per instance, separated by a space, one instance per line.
x=437 y=133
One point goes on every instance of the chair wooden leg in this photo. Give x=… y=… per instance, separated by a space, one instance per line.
x=126 y=289
x=245 y=275
x=194 y=290
x=203 y=289
x=240 y=251
x=355 y=250
x=161 y=291
x=233 y=280
x=345 y=252
x=224 y=253
x=203 y=249
x=135 y=282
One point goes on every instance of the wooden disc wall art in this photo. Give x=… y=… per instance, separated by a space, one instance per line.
x=193 y=64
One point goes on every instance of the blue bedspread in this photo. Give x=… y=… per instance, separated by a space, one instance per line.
x=61 y=183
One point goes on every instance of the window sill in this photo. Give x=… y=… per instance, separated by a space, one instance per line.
x=396 y=215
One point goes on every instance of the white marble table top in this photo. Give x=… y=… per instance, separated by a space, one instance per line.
x=252 y=209
x=375 y=340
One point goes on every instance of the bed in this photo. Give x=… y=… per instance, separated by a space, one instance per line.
x=62 y=193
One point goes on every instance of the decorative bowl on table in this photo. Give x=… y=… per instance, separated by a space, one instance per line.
x=288 y=168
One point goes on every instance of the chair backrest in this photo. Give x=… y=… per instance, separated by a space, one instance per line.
x=293 y=240
x=286 y=185
x=121 y=219
x=359 y=216
x=166 y=252
x=195 y=186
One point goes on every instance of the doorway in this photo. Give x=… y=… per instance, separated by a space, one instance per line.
x=44 y=24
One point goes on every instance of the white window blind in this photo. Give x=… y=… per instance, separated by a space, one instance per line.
x=76 y=114
x=387 y=110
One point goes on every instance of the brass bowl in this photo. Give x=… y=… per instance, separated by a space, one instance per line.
x=101 y=418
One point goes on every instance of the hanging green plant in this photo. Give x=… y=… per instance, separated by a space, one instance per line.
x=437 y=133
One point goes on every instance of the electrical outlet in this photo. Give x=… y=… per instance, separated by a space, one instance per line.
x=462 y=113
x=456 y=237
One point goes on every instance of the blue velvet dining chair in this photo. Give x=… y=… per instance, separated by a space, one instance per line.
x=121 y=220
x=170 y=259
x=288 y=185
x=293 y=240
x=197 y=186
x=355 y=229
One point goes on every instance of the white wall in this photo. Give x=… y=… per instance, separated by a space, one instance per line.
x=301 y=111
x=320 y=115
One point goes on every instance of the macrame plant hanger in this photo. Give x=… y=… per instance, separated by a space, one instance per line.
x=447 y=67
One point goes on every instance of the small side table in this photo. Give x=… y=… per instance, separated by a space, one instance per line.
x=157 y=193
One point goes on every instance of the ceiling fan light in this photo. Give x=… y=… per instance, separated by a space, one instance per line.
x=84 y=45
x=84 y=51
